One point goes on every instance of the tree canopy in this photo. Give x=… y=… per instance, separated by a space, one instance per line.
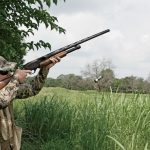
x=19 y=19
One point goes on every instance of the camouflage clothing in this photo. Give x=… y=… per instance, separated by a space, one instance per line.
x=10 y=134
x=6 y=66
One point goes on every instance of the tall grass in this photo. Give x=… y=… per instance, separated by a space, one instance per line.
x=75 y=120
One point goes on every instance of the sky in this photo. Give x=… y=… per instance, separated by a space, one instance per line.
x=127 y=45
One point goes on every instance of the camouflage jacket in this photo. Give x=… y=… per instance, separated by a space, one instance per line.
x=8 y=130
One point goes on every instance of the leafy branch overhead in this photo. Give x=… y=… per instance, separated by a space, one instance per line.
x=19 y=19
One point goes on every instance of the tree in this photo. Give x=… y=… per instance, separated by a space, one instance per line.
x=94 y=69
x=107 y=79
x=99 y=68
x=70 y=81
x=127 y=84
x=148 y=78
x=134 y=84
x=75 y=82
x=50 y=82
x=19 y=19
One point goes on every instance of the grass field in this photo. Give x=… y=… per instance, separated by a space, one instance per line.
x=61 y=119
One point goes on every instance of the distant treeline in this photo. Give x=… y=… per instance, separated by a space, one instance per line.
x=129 y=84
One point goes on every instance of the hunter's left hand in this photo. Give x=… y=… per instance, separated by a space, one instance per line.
x=50 y=62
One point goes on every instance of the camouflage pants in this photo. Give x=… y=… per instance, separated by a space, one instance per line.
x=13 y=143
x=6 y=145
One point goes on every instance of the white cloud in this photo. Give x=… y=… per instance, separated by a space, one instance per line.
x=127 y=45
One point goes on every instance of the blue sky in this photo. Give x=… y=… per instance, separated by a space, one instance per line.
x=127 y=45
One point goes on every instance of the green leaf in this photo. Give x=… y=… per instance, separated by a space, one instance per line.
x=40 y=3
x=146 y=146
x=29 y=14
x=3 y=12
x=55 y=2
x=117 y=142
x=48 y=3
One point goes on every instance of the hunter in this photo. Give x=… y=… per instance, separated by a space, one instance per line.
x=12 y=86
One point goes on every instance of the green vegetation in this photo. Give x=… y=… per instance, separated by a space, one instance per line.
x=18 y=20
x=61 y=119
x=129 y=84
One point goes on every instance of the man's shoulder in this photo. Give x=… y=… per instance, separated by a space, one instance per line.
x=6 y=66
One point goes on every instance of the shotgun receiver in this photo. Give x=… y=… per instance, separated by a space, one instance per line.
x=33 y=65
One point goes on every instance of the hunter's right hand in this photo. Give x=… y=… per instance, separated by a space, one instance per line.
x=22 y=74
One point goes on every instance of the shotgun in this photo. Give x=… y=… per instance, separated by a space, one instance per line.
x=61 y=52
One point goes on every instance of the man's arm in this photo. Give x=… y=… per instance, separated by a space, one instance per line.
x=34 y=87
x=8 y=93
x=12 y=90
x=27 y=90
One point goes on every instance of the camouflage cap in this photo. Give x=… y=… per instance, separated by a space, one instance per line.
x=6 y=66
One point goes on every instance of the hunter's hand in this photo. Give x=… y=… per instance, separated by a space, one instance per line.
x=50 y=62
x=22 y=74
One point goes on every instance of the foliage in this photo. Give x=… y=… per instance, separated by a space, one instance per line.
x=132 y=84
x=19 y=19
x=73 y=82
x=70 y=81
x=50 y=82
x=129 y=84
x=94 y=69
x=106 y=81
